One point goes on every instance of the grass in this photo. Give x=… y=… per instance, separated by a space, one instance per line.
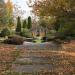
x=38 y=40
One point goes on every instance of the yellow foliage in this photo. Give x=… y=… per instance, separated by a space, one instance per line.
x=9 y=7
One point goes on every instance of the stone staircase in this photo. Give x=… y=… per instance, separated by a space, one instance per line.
x=35 y=58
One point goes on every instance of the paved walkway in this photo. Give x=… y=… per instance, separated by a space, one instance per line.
x=39 y=46
x=43 y=57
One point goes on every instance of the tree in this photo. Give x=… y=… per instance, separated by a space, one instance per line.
x=3 y=19
x=29 y=23
x=24 y=24
x=54 y=7
x=9 y=9
x=61 y=10
x=18 y=28
x=43 y=23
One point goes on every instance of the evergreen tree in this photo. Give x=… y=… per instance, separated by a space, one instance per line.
x=29 y=23
x=24 y=24
x=18 y=28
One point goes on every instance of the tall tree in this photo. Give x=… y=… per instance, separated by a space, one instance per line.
x=18 y=27
x=24 y=24
x=9 y=7
x=29 y=23
x=3 y=19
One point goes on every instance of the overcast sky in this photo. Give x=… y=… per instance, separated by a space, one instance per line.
x=24 y=6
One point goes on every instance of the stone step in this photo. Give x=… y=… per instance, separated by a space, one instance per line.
x=40 y=46
x=31 y=68
x=33 y=60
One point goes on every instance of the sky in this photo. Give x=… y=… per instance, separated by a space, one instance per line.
x=24 y=7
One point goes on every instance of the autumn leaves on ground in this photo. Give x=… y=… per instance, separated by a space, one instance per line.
x=62 y=61
x=7 y=56
x=51 y=21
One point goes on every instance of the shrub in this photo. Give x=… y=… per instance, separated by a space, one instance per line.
x=26 y=33
x=67 y=30
x=16 y=40
x=5 y=32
